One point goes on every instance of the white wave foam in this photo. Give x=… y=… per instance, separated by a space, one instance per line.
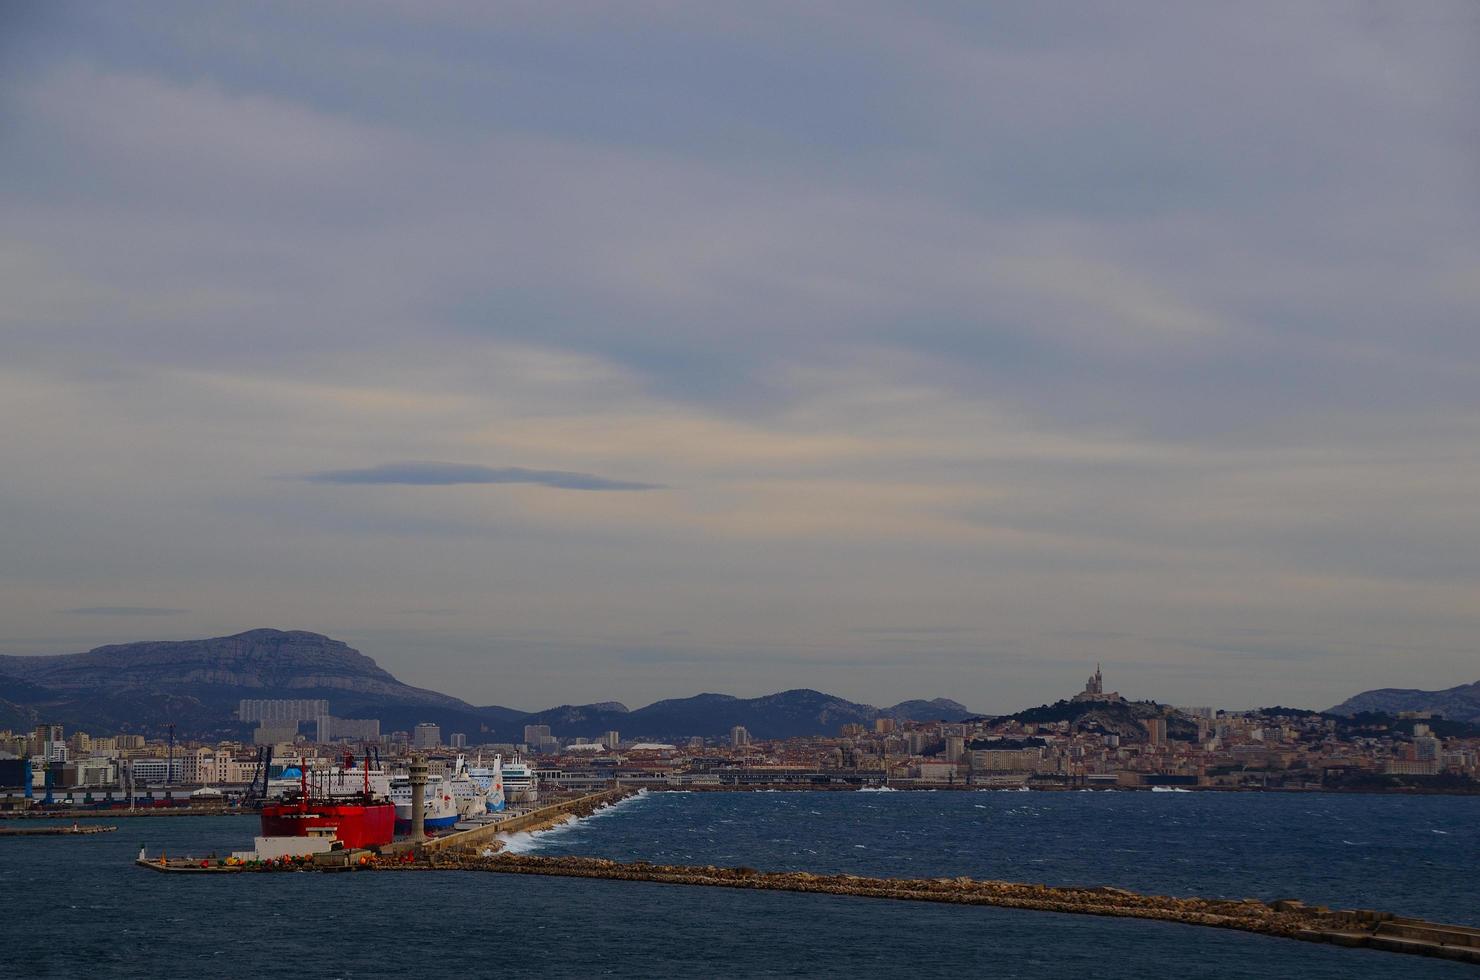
x=524 y=841
x=877 y=789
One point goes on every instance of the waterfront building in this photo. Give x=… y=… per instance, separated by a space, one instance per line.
x=1014 y=760
x=1411 y=767
x=937 y=772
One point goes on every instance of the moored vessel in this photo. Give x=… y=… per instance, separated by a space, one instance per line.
x=491 y=780
x=439 y=806
x=521 y=785
x=359 y=820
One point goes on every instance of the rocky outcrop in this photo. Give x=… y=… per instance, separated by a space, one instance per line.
x=1110 y=716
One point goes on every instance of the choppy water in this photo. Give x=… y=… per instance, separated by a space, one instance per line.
x=78 y=908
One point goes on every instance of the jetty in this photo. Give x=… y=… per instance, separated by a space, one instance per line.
x=67 y=831
x=1286 y=918
x=122 y=813
x=527 y=821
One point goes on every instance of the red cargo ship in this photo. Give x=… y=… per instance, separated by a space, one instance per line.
x=361 y=821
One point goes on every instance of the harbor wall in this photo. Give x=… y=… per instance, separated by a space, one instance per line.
x=541 y=818
x=1285 y=919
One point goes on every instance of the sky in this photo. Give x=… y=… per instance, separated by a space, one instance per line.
x=552 y=353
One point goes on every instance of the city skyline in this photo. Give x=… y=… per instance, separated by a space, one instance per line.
x=555 y=355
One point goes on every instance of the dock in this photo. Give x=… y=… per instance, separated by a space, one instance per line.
x=70 y=831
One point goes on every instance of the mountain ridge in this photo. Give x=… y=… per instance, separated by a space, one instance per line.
x=197 y=684
x=1458 y=703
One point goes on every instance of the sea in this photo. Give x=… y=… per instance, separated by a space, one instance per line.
x=77 y=907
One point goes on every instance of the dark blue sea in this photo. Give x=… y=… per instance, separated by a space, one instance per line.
x=76 y=907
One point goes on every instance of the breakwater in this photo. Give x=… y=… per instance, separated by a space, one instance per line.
x=532 y=821
x=1288 y=919
x=73 y=830
x=68 y=813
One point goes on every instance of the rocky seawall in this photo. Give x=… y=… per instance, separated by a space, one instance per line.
x=1288 y=919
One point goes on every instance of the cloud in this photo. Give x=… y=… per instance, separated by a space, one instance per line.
x=451 y=474
x=1039 y=325
x=121 y=611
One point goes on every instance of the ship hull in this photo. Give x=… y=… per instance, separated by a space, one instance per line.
x=356 y=825
x=429 y=823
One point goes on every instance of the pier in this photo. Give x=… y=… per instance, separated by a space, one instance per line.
x=70 y=831
x=1286 y=919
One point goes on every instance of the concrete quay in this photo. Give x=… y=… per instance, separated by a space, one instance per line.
x=74 y=830
x=70 y=813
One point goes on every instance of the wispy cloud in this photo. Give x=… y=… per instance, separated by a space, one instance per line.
x=121 y=611
x=914 y=630
x=450 y=474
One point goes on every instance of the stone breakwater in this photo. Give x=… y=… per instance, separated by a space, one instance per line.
x=73 y=830
x=1288 y=919
x=490 y=837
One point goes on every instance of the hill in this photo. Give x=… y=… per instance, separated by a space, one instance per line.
x=197 y=684
x=1461 y=703
x=784 y=715
x=1110 y=717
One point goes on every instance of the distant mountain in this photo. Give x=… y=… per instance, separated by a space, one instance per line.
x=940 y=709
x=1460 y=703
x=197 y=684
x=784 y=715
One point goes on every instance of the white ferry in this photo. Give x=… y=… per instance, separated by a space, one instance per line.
x=491 y=780
x=471 y=795
x=521 y=785
x=438 y=806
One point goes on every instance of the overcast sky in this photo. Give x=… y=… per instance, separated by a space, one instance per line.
x=555 y=352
